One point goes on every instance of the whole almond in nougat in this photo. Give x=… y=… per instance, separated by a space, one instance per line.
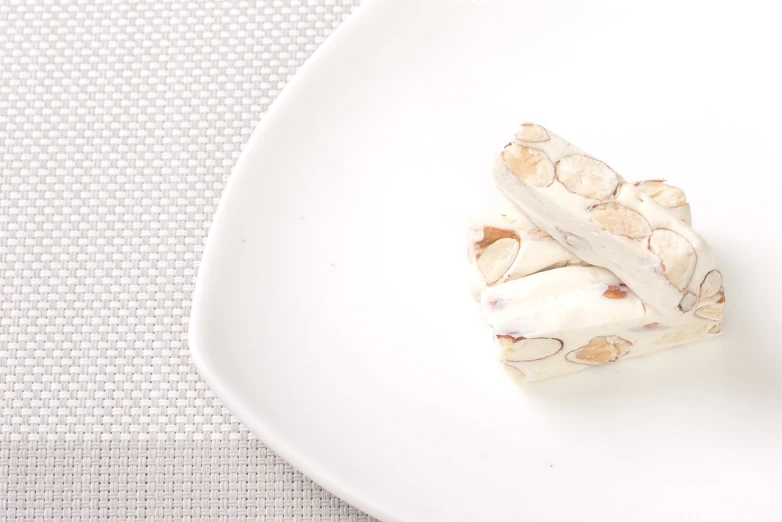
x=667 y=196
x=504 y=245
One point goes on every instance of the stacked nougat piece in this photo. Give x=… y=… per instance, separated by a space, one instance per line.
x=585 y=268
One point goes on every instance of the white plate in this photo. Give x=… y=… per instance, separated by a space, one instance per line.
x=331 y=312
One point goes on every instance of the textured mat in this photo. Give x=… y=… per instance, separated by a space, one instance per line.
x=119 y=124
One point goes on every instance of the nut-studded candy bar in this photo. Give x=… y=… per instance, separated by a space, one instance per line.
x=607 y=222
x=568 y=319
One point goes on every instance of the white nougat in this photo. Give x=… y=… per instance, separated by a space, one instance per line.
x=607 y=222
x=567 y=319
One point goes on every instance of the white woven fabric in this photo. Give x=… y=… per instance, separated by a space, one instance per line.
x=119 y=123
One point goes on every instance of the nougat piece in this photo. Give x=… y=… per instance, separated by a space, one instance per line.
x=605 y=221
x=568 y=319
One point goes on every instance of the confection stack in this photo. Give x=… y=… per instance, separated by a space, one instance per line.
x=583 y=268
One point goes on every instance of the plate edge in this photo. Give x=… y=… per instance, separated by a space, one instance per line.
x=227 y=396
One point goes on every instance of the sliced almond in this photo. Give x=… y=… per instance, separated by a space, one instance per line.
x=587 y=176
x=497 y=259
x=688 y=302
x=600 y=350
x=676 y=254
x=616 y=292
x=520 y=349
x=664 y=195
x=531 y=133
x=531 y=166
x=668 y=196
x=620 y=220
x=713 y=312
x=496 y=252
x=711 y=284
x=717 y=328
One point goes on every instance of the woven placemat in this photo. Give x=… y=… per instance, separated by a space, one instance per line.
x=119 y=123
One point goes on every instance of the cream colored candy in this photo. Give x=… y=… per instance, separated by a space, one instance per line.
x=668 y=196
x=594 y=213
x=567 y=319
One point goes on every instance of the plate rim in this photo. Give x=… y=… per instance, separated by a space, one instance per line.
x=194 y=340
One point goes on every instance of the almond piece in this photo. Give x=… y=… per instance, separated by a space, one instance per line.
x=717 y=328
x=531 y=133
x=688 y=302
x=587 y=176
x=615 y=292
x=713 y=312
x=531 y=166
x=620 y=220
x=496 y=252
x=600 y=350
x=664 y=195
x=497 y=259
x=521 y=349
x=667 y=196
x=676 y=254
x=711 y=284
